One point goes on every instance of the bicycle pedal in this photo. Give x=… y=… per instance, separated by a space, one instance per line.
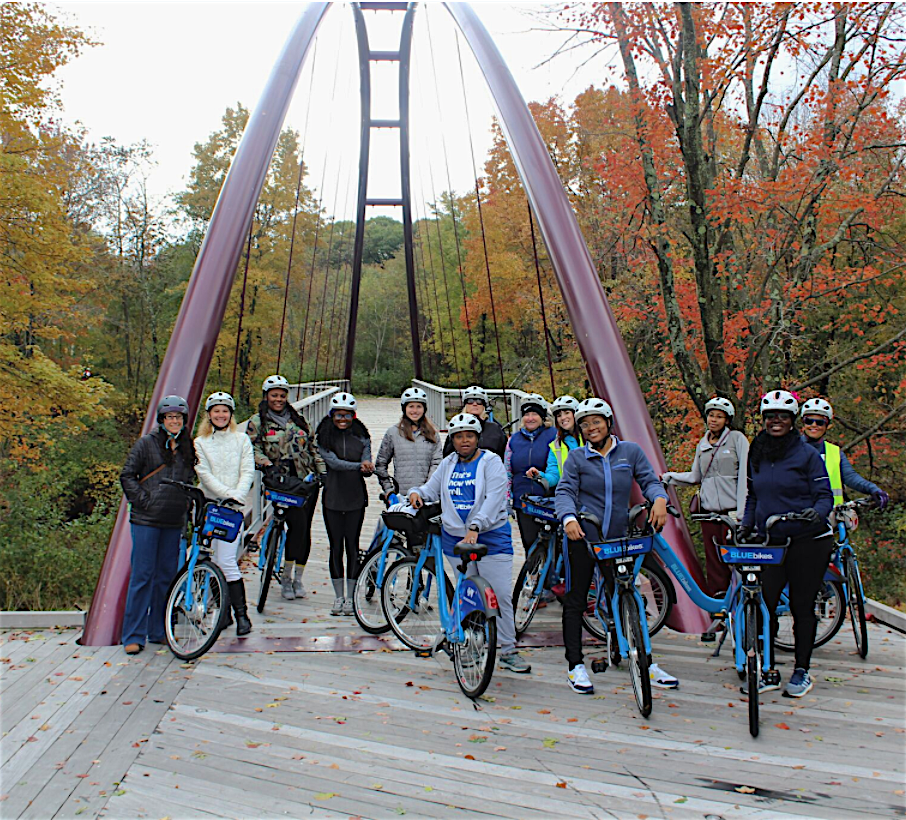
x=599 y=666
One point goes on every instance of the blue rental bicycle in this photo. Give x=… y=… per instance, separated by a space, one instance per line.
x=544 y=561
x=270 y=558
x=198 y=601
x=387 y=547
x=428 y=613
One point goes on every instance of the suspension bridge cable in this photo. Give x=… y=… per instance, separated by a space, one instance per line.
x=314 y=252
x=484 y=241
x=443 y=139
x=547 y=339
x=292 y=238
x=425 y=296
x=245 y=279
x=440 y=248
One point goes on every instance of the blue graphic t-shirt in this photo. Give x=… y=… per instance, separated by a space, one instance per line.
x=462 y=486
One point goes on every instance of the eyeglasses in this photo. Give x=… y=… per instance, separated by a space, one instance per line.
x=771 y=415
x=475 y=401
x=172 y=416
x=591 y=424
x=343 y=416
x=820 y=422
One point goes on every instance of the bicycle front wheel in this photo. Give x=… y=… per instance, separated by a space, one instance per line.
x=473 y=659
x=197 y=604
x=830 y=609
x=416 y=623
x=366 y=598
x=856 y=605
x=638 y=657
x=270 y=558
x=753 y=663
x=525 y=601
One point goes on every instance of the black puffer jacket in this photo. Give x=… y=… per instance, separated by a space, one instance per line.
x=155 y=504
x=492 y=438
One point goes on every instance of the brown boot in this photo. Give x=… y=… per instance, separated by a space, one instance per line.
x=133 y=648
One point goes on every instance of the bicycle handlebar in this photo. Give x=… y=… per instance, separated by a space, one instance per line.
x=197 y=494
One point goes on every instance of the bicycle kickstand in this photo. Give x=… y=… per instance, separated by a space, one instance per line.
x=723 y=637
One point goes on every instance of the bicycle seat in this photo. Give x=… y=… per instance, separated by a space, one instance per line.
x=478 y=550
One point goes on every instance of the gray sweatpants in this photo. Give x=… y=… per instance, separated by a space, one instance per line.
x=497 y=570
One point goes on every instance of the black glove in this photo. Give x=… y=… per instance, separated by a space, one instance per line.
x=743 y=534
x=810 y=515
x=881 y=498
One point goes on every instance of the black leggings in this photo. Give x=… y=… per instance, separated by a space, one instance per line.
x=580 y=568
x=343 y=531
x=298 y=535
x=804 y=568
x=528 y=529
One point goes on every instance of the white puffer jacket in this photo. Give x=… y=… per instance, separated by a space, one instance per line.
x=226 y=464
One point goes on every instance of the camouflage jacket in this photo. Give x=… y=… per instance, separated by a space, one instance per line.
x=275 y=444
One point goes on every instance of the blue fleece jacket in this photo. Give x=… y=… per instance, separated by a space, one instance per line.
x=796 y=481
x=552 y=471
x=526 y=449
x=601 y=484
x=848 y=474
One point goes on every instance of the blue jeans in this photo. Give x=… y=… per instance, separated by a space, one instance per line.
x=155 y=557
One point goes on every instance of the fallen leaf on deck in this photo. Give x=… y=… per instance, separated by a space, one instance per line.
x=782 y=726
x=745 y=790
x=325 y=795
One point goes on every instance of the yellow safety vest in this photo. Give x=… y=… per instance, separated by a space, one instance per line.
x=561 y=451
x=831 y=458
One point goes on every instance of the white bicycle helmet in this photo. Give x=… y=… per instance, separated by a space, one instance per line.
x=564 y=403
x=273 y=382
x=342 y=401
x=415 y=394
x=594 y=407
x=818 y=407
x=475 y=392
x=220 y=398
x=779 y=400
x=720 y=403
x=464 y=422
x=534 y=403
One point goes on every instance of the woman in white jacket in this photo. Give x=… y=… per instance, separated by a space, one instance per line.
x=226 y=469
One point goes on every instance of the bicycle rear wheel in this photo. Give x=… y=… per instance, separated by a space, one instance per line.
x=366 y=598
x=270 y=557
x=830 y=609
x=856 y=605
x=191 y=630
x=638 y=657
x=525 y=602
x=473 y=659
x=419 y=625
x=656 y=590
x=753 y=663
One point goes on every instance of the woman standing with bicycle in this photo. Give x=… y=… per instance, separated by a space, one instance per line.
x=283 y=443
x=157 y=514
x=719 y=467
x=597 y=478
x=493 y=437
x=471 y=487
x=413 y=445
x=787 y=475
x=567 y=438
x=345 y=447
x=525 y=457
x=226 y=469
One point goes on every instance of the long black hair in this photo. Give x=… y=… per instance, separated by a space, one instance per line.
x=185 y=446
x=296 y=417
x=328 y=431
x=766 y=447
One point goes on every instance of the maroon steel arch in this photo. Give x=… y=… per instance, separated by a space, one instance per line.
x=185 y=367
x=191 y=347
x=609 y=369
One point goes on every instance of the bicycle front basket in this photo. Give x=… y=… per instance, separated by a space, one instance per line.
x=623 y=547
x=538 y=506
x=284 y=499
x=754 y=554
x=224 y=523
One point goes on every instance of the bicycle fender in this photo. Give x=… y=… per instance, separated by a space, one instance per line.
x=476 y=593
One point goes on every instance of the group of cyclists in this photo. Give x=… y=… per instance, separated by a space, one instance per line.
x=479 y=474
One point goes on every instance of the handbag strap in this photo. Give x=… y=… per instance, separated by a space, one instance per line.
x=153 y=472
x=717 y=446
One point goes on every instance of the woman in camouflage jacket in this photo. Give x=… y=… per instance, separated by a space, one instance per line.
x=283 y=442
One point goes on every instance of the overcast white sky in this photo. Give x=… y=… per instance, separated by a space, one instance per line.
x=166 y=72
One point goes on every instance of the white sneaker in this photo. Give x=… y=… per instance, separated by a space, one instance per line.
x=662 y=679
x=578 y=680
x=298 y=589
x=337 y=608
